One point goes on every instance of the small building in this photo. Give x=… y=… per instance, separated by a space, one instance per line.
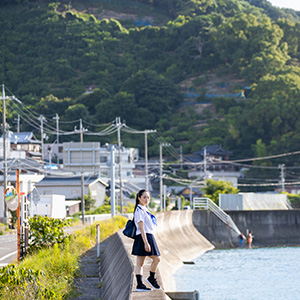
x=53 y=153
x=26 y=141
x=129 y=156
x=72 y=207
x=186 y=191
x=254 y=201
x=71 y=187
x=52 y=206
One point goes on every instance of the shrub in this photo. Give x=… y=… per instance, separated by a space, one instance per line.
x=294 y=200
x=22 y=283
x=45 y=232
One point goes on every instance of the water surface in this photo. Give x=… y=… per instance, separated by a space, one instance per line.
x=247 y=274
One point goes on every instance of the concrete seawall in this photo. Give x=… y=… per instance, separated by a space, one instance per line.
x=116 y=269
x=215 y=230
x=178 y=241
x=270 y=227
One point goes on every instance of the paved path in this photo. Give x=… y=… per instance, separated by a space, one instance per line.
x=87 y=283
x=8 y=249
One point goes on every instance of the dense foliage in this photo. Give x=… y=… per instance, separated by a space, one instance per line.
x=49 y=273
x=45 y=232
x=51 y=55
x=213 y=189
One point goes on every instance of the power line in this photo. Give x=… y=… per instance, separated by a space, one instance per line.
x=266 y=157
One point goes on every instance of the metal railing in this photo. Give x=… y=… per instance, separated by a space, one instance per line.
x=207 y=204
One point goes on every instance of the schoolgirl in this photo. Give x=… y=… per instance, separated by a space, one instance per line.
x=144 y=242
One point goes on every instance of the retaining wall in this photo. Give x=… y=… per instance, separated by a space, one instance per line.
x=178 y=241
x=269 y=227
x=116 y=269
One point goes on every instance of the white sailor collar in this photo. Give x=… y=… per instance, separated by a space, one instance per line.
x=142 y=207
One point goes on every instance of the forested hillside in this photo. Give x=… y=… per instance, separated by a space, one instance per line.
x=175 y=66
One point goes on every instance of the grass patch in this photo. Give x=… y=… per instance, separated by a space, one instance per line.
x=57 y=266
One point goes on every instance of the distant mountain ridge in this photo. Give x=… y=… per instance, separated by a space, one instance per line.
x=95 y=60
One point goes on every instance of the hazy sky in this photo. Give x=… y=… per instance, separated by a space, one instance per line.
x=294 y=4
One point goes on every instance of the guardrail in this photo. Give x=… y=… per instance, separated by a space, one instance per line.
x=90 y=219
x=207 y=204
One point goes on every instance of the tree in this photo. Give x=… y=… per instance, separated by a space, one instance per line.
x=121 y=105
x=154 y=93
x=213 y=188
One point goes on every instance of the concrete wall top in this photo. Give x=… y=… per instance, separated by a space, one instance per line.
x=178 y=241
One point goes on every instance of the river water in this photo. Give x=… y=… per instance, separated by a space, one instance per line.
x=243 y=274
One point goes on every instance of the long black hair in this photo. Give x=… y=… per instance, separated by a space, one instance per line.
x=138 y=195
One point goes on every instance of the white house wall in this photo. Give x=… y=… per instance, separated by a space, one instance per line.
x=97 y=191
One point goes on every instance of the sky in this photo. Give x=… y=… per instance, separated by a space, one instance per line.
x=294 y=4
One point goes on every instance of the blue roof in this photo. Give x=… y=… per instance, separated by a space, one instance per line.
x=24 y=138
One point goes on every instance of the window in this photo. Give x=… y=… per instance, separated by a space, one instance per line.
x=103 y=159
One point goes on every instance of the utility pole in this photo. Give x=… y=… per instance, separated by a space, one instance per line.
x=165 y=195
x=181 y=160
x=112 y=180
x=146 y=158
x=4 y=151
x=18 y=126
x=119 y=125
x=161 y=172
x=18 y=123
x=42 y=119
x=191 y=196
x=282 y=177
x=57 y=134
x=81 y=130
x=205 y=171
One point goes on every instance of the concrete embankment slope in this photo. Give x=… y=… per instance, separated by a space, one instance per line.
x=178 y=241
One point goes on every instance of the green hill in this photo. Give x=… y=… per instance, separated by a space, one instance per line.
x=180 y=67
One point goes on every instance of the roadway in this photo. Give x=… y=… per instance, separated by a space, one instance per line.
x=8 y=249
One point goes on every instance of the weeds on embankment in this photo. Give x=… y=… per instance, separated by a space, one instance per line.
x=49 y=273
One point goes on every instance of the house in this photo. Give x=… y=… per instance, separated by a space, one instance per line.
x=26 y=141
x=208 y=164
x=211 y=152
x=185 y=191
x=53 y=152
x=70 y=186
x=90 y=156
x=128 y=158
x=10 y=154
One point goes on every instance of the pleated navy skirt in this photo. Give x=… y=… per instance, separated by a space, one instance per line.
x=139 y=246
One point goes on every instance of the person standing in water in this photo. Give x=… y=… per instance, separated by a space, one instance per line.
x=144 y=242
x=250 y=239
x=241 y=239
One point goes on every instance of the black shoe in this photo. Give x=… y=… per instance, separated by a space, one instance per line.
x=142 y=288
x=153 y=283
